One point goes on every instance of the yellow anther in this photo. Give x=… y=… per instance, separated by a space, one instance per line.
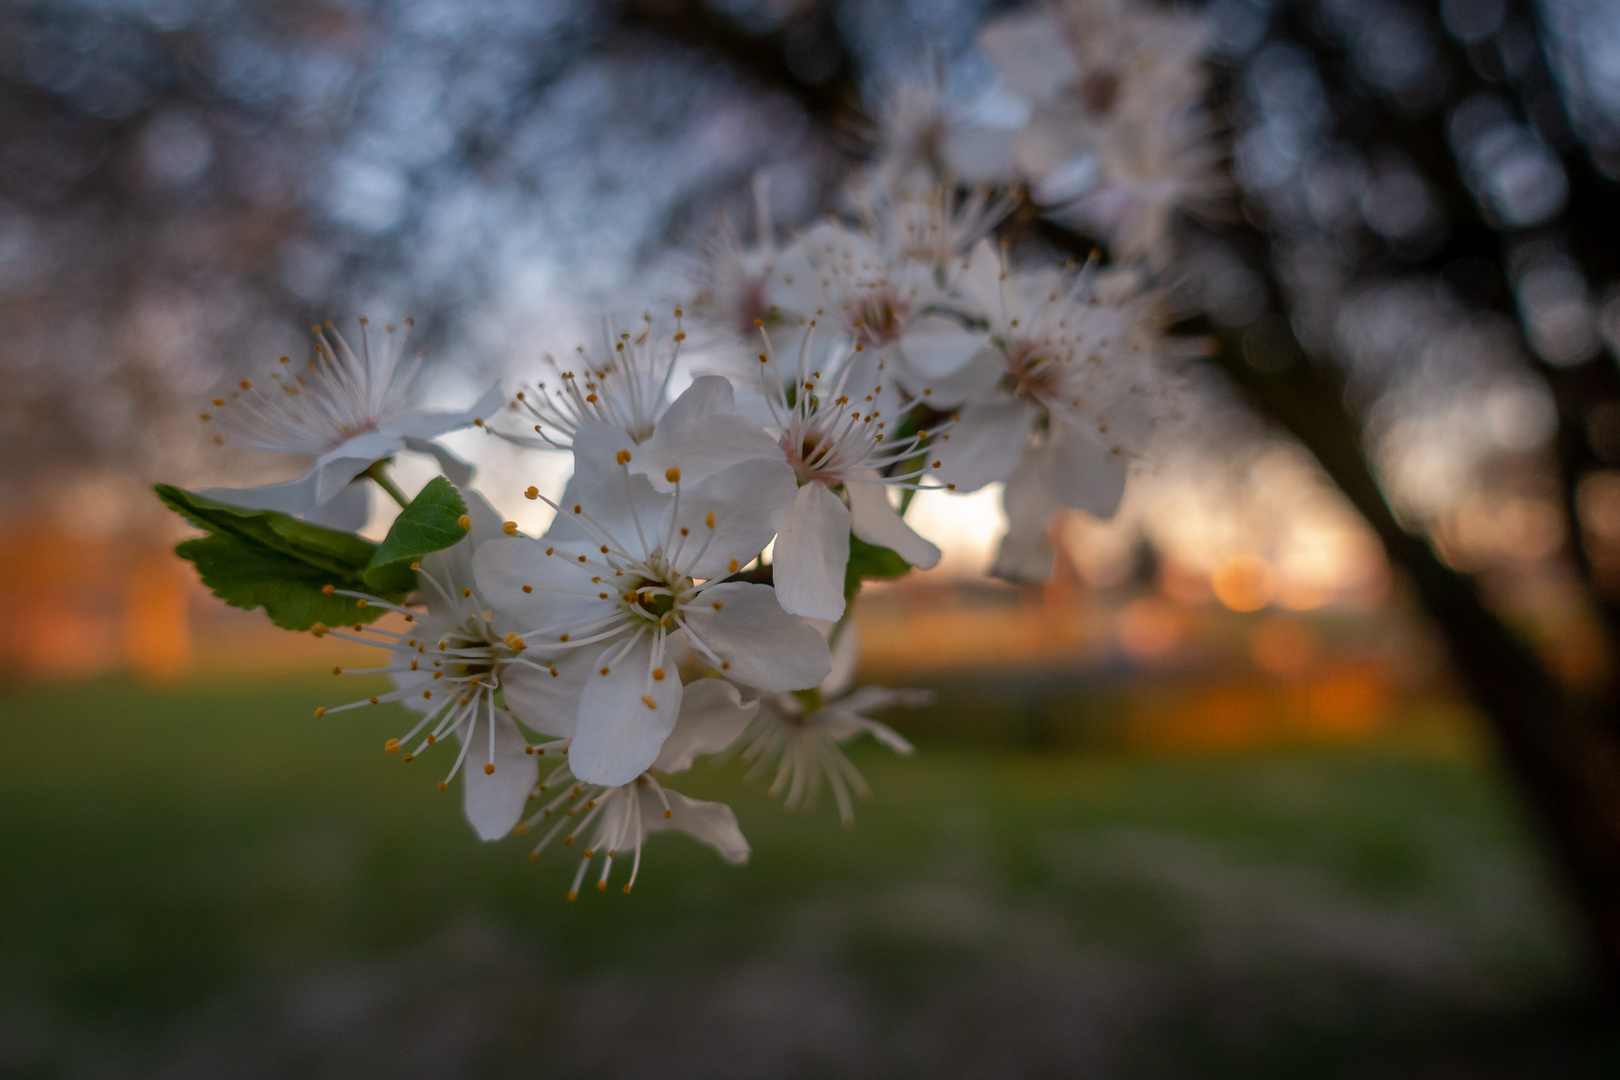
x=489 y=770
x=443 y=785
x=374 y=700
x=478 y=421
x=360 y=603
x=328 y=590
x=520 y=829
x=601 y=885
x=732 y=566
x=391 y=746
x=432 y=738
x=564 y=637
x=725 y=665
x=408 y=758
x=465 y=593
x=510 y=528
x=709 y=521
x=337 y=671
x=427 y=694
x=465 y=522
x=416 y=566
x=606 y=670
x=572 y=895
x=532 y=493
x=658 y=674
x=219 y=401
x=623 y=457
x=320 y=712
x=649 y=701
x=668 y=814
x=673 y=475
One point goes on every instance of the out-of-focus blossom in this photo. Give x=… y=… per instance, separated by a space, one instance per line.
x=347 y=408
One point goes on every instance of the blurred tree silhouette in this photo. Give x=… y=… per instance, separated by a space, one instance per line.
x=1428 y=209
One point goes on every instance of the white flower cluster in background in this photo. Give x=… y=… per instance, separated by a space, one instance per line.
x=692 y=594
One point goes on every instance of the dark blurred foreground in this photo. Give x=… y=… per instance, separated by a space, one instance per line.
x=207 y=882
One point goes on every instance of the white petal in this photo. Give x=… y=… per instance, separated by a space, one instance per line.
x=547 y=703
x=713 y=715
x=843 y=724
x=711 y=822
x=702 y=434
x=1082 y=473
x=412 y=682
x=972 y=382
x=935 y=346
x=624 y=716
x=980 y=155
x=344 y=462
x=757 y=643
x=984 y=446
x=748 y=501
x=495 y=801
x=453 y=566
x=1029 y=51
x=812 y=550
x=872 y=519
x=295 y=497
x=503 y=566
x=1026 y=551
x=346 y=511
x=625 y=506
x=427 y=425
x=846 y=656
x=458 y=472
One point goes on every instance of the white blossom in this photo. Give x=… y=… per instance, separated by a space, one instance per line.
x=451 y=666
x=800 y=735
x=627 y=571
x=620 y=817
x=346 y=408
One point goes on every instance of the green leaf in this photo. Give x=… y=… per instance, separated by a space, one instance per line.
x=330 y=549
x=249 y=575
x=264 y=558
x=432 y=522
x=868 y=562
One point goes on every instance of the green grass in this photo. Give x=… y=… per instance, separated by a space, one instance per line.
x=201 y=879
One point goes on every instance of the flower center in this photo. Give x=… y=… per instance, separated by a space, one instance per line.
x=878 y=317
x=1031 y=373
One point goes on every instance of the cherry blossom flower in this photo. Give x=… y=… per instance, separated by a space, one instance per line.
x=742 y=286
x=1062 y=405
x=450 y=666
x=349 y=409
x=799 y=735
x=625 y=571
x=712 y=716
x=623 y=382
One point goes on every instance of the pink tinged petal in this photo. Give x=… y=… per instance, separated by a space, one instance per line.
x=713 y=716
x=702 y=434
x=1082 y=473
x=935 y=346
x=1026 y=551
x=843 y=725
x=1030 y=53
x=710 y=822
x=547 y=703
x=812 y=550
x=495 y=800
x=846 y=655
x=984 y=445
x=624 y=716
x=874 y=520
x=748 y=501
x=757 y=642
x=427 y=425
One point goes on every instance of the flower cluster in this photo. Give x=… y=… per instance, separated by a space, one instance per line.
x=692 y=593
